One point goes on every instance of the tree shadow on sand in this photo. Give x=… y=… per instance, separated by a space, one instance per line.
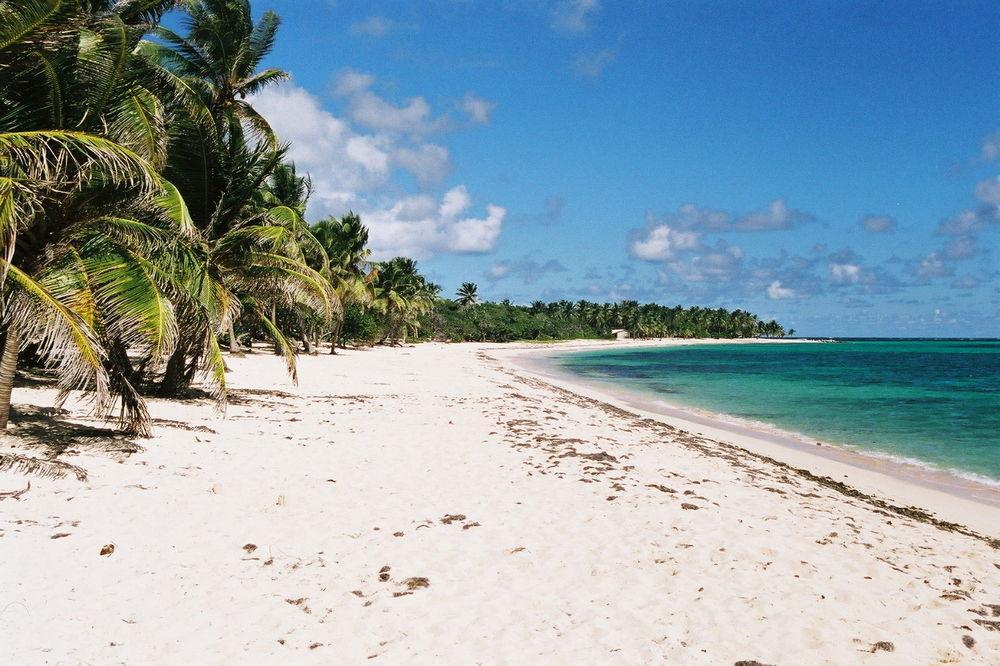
x=44 y=435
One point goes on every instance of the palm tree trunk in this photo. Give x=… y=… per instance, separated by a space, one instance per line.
x=173 y=375
x=234 y=345
x=8 y=365
x=335 y=338
x=306 y=344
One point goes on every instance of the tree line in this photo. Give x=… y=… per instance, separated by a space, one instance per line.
x=465 y=318
x=149 y=214
x=150 y=217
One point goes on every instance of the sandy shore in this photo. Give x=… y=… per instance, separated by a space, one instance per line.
x=442 y=504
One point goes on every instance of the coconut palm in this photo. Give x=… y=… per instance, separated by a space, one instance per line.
x=467 y=295
x=345 y=241
x=216 y=63
x=83 y=212
x=252 y=258
x=254 y=248
x=402 y=295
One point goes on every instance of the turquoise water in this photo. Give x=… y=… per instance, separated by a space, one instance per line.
x=934 y=401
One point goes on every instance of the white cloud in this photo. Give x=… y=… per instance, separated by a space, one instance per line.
x=988 y=190
x=933 y=266
x=661 y=242
x=499 y=270
x=351 y=81
x=965 y=222
x=472 y=235
x=845 y=273
x=593 y=64
x=528 y=270
x=690 y=216
x=353 y=169
x=419 y=226
x=718 y=266
x=374 y=26
x=777 y=292
x=339 y=158
x=878 y=224
x=965 y=282
x=428 y=162
x=960 y=247
x=455 y=202
x=341 y=161
x=368 y=109
x=776 y=216
x=574 y=15
x=991 y=147
x=478 y=109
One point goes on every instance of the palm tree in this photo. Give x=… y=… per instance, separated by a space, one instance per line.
x=83 y=213
x=345 y=241
x=217 y=62
x=402 y=295
x=254 y=246
x=251 y=260
x=467 y=294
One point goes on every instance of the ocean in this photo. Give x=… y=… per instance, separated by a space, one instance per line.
x=932 y=402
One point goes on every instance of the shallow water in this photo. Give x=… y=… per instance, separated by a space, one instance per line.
x=936 y=402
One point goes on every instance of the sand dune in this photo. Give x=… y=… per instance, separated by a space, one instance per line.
x=437 y=504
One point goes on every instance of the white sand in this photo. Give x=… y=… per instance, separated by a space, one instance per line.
x=564 y=552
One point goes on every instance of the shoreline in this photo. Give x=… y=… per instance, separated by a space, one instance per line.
x=436 y=503
x=948 y=494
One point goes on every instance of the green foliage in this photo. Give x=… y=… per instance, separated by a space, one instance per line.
x=362 y=325
x=468 y=294
x=144 y=204
x=563 y=320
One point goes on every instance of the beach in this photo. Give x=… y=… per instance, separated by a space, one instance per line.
x=453 y=503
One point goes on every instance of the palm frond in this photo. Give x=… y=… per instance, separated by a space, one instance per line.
x=47 y=469
x=100 y=60
x=174 y=209
x=51 y=155
x=138 y=123
x=284 y=346
x=64 y=339
x=133 y=307
x=216 y=368
x=18 y=19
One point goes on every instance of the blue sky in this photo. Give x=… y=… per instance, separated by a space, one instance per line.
x=831 y=164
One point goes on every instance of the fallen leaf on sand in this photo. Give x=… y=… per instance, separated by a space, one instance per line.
x=417 y=583
x=107 y=549
x=250 y=547
x=885 y=646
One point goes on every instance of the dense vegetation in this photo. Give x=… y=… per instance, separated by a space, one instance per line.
x=463 y=319
x=149 y=216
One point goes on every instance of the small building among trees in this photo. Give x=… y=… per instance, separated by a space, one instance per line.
x=620 y=333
